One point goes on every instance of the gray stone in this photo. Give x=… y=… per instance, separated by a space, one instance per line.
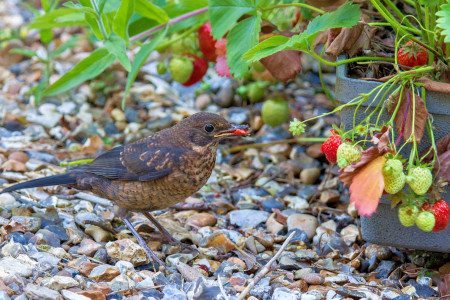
x=248 y=217
x=36 y=292
x=68 y=295
x=283 y=293
x=31 y=223
x=10 y=265
x=121 y=282
x=61 y=282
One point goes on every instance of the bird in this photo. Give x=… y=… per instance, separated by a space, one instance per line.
x=152 y=173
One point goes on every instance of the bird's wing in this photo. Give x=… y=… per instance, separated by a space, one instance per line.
x=137 y=161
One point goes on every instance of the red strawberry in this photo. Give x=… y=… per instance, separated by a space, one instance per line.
x=412 y=55
x=200 y=67
x=206 y=42
x=441 y=213
x=330 y=146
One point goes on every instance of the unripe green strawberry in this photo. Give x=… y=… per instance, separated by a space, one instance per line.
x=408 y=215
x=161 y=68
x=181 y=68
x=419 y=179
x=425 y=221
x=275 y=112
x=392 y=167
x=347 y=154
x=394 y=183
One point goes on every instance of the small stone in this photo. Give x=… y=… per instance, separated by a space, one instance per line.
x=85 y=268
x=296 y=202
x=69 y=295
x=202 y=220
x=118 y=115
x=7 y=201
x=104 y=273
x=173 y=259
x=88 y=247
x=98 y=234
x=271 y=203
x=350 y=234
x=314 y=151
x=121 y=282
x=380 y=252
x=248 y=217
x=202 y=101
x=253 y=245
x=33 y=291
x=384 y=269
x=61 y=282
x=272 y=225
x=310 y=176
x=127 y=250
x=225 y=95
x=329 y=196
x=147 y=283
x=304 y=222
x=283 y=293
x=218 y=240
x=14 y=266
x=300 y=273
x=125 y=267
x=189 y=273
x=44 y=236
x=313 y=278
x=13 y=166
x=19 y=156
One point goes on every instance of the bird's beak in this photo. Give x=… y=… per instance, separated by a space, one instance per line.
x=234 y=130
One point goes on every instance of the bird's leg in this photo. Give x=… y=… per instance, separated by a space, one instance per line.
x=143 y=244
x=166 y=235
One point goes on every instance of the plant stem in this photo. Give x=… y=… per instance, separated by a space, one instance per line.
x=178 y=37
x=172 y=21
x=296 y=4
x=75 y=162
x=414 y=30
x=322 y=82
x=99 y=19
x=288 y=141
x=399 y=13
x=350 y=60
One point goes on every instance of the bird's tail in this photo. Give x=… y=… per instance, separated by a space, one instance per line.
x=61 y=179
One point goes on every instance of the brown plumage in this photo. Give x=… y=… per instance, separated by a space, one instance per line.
x=152 y=173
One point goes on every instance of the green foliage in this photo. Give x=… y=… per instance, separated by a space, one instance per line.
x=61 y=17
x=241 y=38
x=345 y=16
x=223 y=14
x=443 y=21
x=88 y=68
x=123 y=15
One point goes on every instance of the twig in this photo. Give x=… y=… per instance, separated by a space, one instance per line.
x=287 y=141
x=94 y=199
x=265 y=269
x=222 y=291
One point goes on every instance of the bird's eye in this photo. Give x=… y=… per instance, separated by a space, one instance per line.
x=209 y=128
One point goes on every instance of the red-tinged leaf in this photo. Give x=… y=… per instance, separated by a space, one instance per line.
x=382 y=140
x=367 y=187
x=349 y=172
x=283 y=65
x=222 y=66
x=221 y=47
x=405 y=116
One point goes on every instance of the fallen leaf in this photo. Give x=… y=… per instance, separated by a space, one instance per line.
x=435 y=86
x=279 y=216
x=405 y=116
x=367 y=187
x=444 y=287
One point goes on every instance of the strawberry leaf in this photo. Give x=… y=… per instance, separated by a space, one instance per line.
x=443 y=21
x=367 y=187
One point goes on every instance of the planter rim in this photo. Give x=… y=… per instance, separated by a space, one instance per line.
x=349 y=88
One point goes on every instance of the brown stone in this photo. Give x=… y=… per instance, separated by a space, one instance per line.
x=299 y=284
x=104 y=273
x=314 y=151
x=238 y=261
x=94 y=295
x=329 y=196
x=14 y=166
x=220 y=241
x=19 y=156
x=88 y=247
x=86 y=267
x=202 y=220
x=313 y=278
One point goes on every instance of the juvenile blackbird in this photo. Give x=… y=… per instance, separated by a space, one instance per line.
x=152 y=173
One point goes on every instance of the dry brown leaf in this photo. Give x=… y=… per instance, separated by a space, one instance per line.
x=93 y=144
x=382 y=79
x=442 y=145
x=327 y=5
x=405 y=116
x=279 y=216
x=444 y=287
x=435 y=86
x=442 y=166
x=283 y=65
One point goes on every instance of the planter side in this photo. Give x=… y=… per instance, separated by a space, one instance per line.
x=384 y=227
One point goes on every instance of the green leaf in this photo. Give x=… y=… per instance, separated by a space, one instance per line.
x=241 y=38
x=140 y=59
x=66 y=45
x=88 y=68
x=345 y=16
x=151 y=11
x=223 y=14
x=116 y=45
x=46 y=35
x=24 y=52
x=45 y=5
x=80 y=7
x=443 y=21
x=61 y=17
x=120 y=24
x=92 y=21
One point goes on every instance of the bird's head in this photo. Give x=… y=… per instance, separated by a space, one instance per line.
x=205 y=128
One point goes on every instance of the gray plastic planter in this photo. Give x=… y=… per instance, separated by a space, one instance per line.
x=384 y=227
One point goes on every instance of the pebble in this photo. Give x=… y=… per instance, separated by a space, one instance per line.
x=104 y=273
x=313 y=278
x=44 y=236
x=13 y=166
x=350 y=234
x=296 y=202
x=304 y=222
x=270 y=204
x=310 y=176
x=98 y=234
x=272 y=225
x=380 y=252
x=68 y=295
x=33 y=291
x=14 y=266
x=61 y=282
x=127 y=250
x=329 y=197
x=7 y=201
x=248 y=217
x=121 y=282
x=202 y=101
x=202 y=220
x=225 y=95
x=283 y=293
x=88 y=247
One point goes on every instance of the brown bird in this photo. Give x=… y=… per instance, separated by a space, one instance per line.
x=152 y=173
